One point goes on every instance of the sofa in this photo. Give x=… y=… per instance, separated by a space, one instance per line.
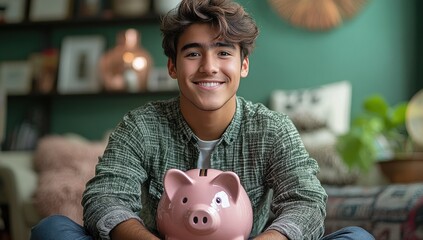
x=49 y=180
x=18 y=182
x=388 y=211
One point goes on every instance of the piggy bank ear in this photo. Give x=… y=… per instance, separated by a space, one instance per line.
x=174 y=179
x=229 y=181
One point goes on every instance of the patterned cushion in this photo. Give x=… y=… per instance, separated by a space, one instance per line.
x=320 y=114
x=327 y=105
x=389 y=212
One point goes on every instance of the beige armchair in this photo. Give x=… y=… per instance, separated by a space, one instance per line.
x=18 y=182
x=50 y=180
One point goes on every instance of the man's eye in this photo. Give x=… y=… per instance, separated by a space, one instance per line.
x=224 y=54
x=193 y=54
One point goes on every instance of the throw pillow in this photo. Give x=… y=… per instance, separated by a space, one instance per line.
x=320 y=114
x=64 y=165
x=326 y=105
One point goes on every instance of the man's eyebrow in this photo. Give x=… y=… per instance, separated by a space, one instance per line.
x=215 y=44
x=190 y=45
x=224 y=44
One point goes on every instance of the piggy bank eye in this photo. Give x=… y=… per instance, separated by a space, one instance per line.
x=218 y=200
x=184 y=200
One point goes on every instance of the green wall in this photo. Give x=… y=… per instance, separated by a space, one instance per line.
x=375 y=51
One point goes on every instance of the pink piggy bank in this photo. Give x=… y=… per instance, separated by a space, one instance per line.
x=204 y=204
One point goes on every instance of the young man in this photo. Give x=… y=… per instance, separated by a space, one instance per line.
x=207 y=43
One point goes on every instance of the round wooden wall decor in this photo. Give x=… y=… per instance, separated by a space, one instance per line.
x=317 y=15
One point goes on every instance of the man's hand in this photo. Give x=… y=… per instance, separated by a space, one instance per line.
x=134 y=230
x=131 y=229
x=270 y=235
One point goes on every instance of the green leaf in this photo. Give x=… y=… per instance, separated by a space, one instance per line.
x=374 y=125
x=376 y=104
x=398 y=115
x=357 y=147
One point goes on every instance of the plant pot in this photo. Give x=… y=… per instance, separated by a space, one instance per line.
x=405 y=169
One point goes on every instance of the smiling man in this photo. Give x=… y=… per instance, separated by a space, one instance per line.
x=208 y=70
x=208 y=43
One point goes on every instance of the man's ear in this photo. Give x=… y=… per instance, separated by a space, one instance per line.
x=171 y=68
x=245 y=67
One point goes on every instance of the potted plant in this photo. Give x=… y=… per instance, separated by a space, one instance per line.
x=378 y=133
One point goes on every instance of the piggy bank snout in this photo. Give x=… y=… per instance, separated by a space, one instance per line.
x=202 y=219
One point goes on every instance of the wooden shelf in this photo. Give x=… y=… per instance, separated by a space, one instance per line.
x=80 y=22
x=99 y=109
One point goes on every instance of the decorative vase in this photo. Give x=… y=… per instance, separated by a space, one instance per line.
x=161 y=7
x=126 y=67
x=44 y=69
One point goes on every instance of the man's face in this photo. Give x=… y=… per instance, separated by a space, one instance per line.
x=208 y=70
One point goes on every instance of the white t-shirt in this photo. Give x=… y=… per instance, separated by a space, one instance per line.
x=206 y=147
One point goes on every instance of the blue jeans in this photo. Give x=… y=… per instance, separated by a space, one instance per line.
x=59 y=227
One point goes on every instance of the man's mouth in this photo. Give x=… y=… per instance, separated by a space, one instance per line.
x=209 y=84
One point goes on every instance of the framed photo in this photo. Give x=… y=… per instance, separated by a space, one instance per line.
x=49 y=10
x=14 y=10
x=15 y=77
x=78 y=66
x=159 y=80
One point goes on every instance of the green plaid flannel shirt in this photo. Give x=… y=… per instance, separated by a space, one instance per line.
x=262 y=146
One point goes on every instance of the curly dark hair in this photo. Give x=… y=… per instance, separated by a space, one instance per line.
x=234 y=24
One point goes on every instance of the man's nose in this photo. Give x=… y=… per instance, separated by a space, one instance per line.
x=209 y=64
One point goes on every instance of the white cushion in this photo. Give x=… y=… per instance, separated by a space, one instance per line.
x=320 y=115
x=328 y=104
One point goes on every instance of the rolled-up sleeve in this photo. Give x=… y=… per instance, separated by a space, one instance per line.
x=299 y=201
x=113 y=195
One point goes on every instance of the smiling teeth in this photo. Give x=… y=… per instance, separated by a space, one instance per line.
x=208 y=84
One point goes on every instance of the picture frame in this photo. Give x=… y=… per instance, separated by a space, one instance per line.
x=159 y=80
x=14 y=10
x=78 y=64
x=56 y=10
x=15 y=77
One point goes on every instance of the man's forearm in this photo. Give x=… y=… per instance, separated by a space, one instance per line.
x=131 y=229
x=270 y=235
